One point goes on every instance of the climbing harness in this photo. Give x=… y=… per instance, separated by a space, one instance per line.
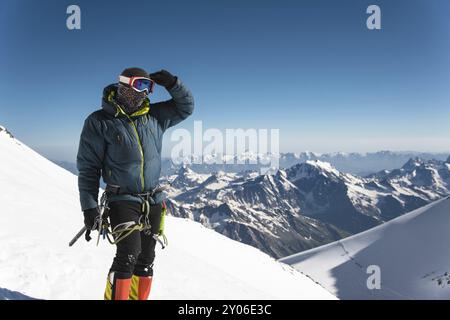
x=123 y=230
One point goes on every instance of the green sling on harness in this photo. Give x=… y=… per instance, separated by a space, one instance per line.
x=123 y=230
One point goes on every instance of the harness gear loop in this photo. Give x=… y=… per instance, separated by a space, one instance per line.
x=123 y=230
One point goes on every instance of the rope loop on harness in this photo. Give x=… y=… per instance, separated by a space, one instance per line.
x=125 y=229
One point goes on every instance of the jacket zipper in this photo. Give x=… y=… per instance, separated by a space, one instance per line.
x=142 y=153
x=141 y=150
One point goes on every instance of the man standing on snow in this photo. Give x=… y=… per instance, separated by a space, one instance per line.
x=122 y=144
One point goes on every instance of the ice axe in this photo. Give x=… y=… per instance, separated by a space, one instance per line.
x=103 y=204
x=78 y=236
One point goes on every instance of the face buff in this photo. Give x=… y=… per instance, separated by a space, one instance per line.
x=129 y=99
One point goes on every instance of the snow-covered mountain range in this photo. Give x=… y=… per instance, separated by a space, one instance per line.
x=406 y=258
x=40 y=212
x=306 y=205
x=301 y=207
x=360 y=164
x=309 y=203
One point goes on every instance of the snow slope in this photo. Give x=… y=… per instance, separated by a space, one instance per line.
x=39 y=214
x=412 y=252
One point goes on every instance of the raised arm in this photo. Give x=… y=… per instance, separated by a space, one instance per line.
x=173 y=111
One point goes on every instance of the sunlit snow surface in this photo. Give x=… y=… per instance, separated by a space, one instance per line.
x=40 y=213
x=412 y=253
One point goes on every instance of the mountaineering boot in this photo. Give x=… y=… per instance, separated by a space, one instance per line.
x=140 y=287
x=118 y=286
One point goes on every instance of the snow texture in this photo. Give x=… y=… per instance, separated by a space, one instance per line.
x=411 y=252
x=40 y=214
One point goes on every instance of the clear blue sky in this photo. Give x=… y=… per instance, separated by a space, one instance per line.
x=310 y=68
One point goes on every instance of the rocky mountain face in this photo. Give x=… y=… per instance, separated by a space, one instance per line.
x=306 y=205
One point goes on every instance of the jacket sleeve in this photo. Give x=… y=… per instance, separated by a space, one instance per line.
x=173 y=111
x=89 y=162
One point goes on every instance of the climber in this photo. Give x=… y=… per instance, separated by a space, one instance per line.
x=122 y=143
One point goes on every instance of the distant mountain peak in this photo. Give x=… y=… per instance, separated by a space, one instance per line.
x=311 y=169
x=309 y=154
x=413 y=163
x=325 y=166
x=184 y=169
x=187 y=177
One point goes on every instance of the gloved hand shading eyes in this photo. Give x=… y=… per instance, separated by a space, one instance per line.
x=164 y=78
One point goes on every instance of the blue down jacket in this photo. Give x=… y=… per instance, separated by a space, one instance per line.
x=126 y=149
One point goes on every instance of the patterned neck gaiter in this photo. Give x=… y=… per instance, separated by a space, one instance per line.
x=130 y=100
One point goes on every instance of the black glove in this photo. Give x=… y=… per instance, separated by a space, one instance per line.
x=90 y=218
x=164 y=78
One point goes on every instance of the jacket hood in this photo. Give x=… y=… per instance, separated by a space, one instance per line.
x=110 y=106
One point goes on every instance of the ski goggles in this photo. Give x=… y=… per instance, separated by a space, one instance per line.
x=139 y=84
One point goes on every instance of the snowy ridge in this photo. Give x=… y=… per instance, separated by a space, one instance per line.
x=40 y=213
x=409 y=250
